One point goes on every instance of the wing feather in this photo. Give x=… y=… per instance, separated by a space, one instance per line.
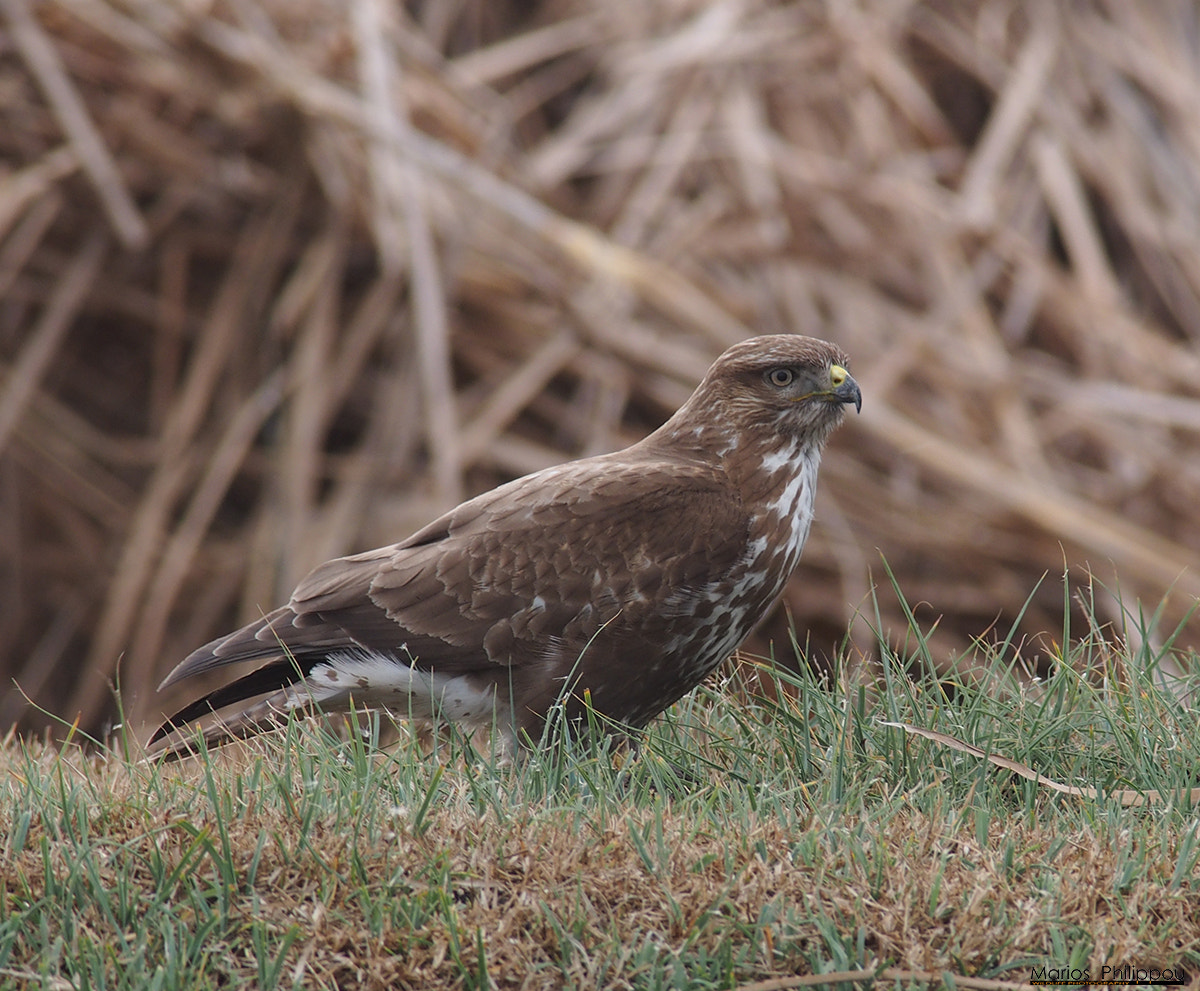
x=551 y=557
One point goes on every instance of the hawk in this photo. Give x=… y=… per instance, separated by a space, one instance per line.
x=626 y=578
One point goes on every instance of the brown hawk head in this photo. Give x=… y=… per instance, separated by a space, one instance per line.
x=768 y=389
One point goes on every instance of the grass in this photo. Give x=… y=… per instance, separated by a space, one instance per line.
x=750 y=841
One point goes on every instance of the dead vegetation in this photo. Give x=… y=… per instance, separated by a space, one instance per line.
x=300 y=860
x=282 y=279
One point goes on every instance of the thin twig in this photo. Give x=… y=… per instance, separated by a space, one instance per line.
x=47 y=335
x=47 y=68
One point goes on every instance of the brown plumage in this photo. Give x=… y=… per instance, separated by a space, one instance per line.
x=629 y=576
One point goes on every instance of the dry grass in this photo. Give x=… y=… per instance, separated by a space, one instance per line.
x=805 y=838
x=281 y=280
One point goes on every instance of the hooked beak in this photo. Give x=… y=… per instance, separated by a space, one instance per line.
x=845 y=389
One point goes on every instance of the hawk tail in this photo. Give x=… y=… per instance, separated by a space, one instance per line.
x=272 y=680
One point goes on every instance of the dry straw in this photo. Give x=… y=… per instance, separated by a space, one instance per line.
x=280 y=280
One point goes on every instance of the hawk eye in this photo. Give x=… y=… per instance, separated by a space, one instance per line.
x=781 y=377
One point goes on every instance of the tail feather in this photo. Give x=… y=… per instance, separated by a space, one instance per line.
x=337 y=682
x=268 y=679
x=262 y=717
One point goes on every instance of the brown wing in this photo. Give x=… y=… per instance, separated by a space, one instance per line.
x=531 y=568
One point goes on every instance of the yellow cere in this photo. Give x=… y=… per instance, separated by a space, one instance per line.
x=837 y=374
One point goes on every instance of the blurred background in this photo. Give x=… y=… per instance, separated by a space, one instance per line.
x=283 y=279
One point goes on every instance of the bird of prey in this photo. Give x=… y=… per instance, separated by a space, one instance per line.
x=626 y=578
